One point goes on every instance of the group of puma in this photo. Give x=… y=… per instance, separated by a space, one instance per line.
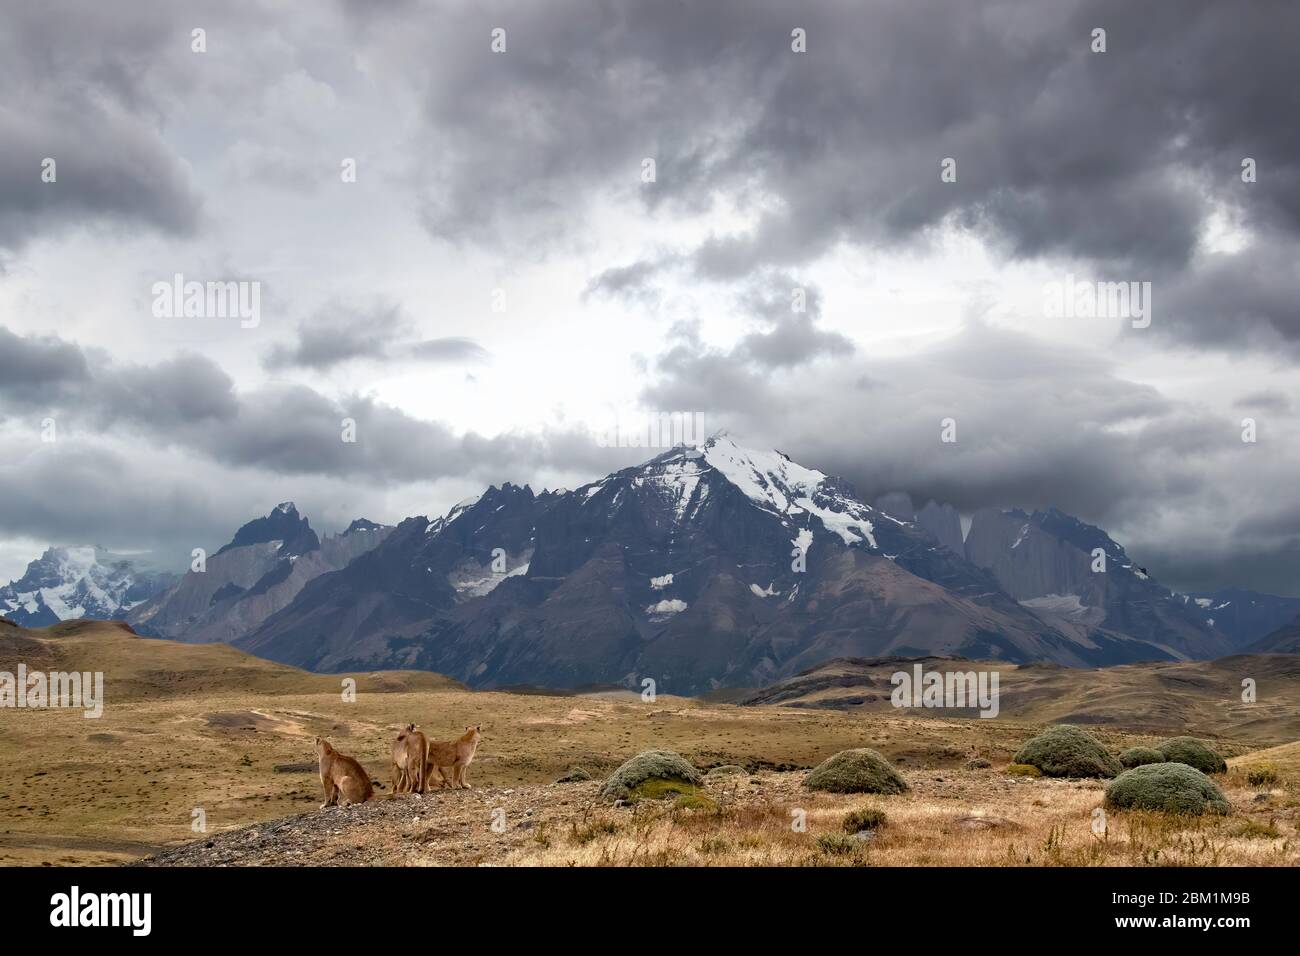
x=415 y=760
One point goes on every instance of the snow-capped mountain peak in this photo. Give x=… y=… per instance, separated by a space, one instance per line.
x=767 y=477
x=67 y=583
x=777 y=483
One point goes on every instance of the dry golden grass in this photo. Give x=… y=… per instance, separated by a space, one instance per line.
x=188 y=727
x=967 y=818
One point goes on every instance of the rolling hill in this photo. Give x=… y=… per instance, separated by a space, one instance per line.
x=1160 y=697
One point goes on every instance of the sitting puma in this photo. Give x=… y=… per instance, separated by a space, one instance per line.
x=340 y=774
x=409 y=754
x=453 y=755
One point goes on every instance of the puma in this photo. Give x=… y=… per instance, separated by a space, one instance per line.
x=454 y=756
x=410 y=751
x=340 y=774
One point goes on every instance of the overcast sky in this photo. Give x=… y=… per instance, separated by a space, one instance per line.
x=501 y=283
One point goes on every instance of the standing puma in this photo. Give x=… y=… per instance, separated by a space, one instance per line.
x=410 y=750
x=453 y=755
x=340 y=774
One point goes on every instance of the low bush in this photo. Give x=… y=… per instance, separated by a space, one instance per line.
x=837 y=844
x=1262 y=775
x=652 y=774
x=866 y=819
x=1193 y=752
x=1172 y=787
x=1140 y=757
x=1023 y=770
x=856 y=771
x=1068 y=752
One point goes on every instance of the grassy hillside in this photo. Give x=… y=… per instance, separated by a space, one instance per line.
x=189 y=727
x=1202 y=697
x=140 y=668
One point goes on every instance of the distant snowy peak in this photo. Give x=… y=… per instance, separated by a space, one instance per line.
x=777 y=483
x=79 y=582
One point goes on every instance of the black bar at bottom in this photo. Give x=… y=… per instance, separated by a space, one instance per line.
x=753 y=905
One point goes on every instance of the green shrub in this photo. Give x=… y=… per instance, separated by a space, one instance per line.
x=856 y=771
x=660 y=788
x=1172 y=787
x=694 y=801
x=837 y=844
x=1140 y=757
x=1068 y=752
x=1023 y=770
x=1262 y=775
x=1193 y=752
x=575 y=775
x=868 y=818
x=652 y=774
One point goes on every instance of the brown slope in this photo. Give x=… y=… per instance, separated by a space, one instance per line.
x=142 y=668
x=1285 y=640
x=1161 y=697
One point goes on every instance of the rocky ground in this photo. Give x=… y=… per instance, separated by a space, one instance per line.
x=955 y=817
x=441 y=828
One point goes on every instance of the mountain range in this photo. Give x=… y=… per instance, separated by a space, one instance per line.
x=261 y=571
x=80 y=582
x=707 y=566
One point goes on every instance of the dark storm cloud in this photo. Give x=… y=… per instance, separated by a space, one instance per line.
x=447 y=349
x=1235 y=301
x=635 y=281
x=1037 y=426
x=737 y=380
x=35 y=369
x=189 y=402
x=789 y=313
x=1117 y=159
x=74 y=93
x=65 y=491
x=1267 y=400
x=57 y=376
x=338 y=333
